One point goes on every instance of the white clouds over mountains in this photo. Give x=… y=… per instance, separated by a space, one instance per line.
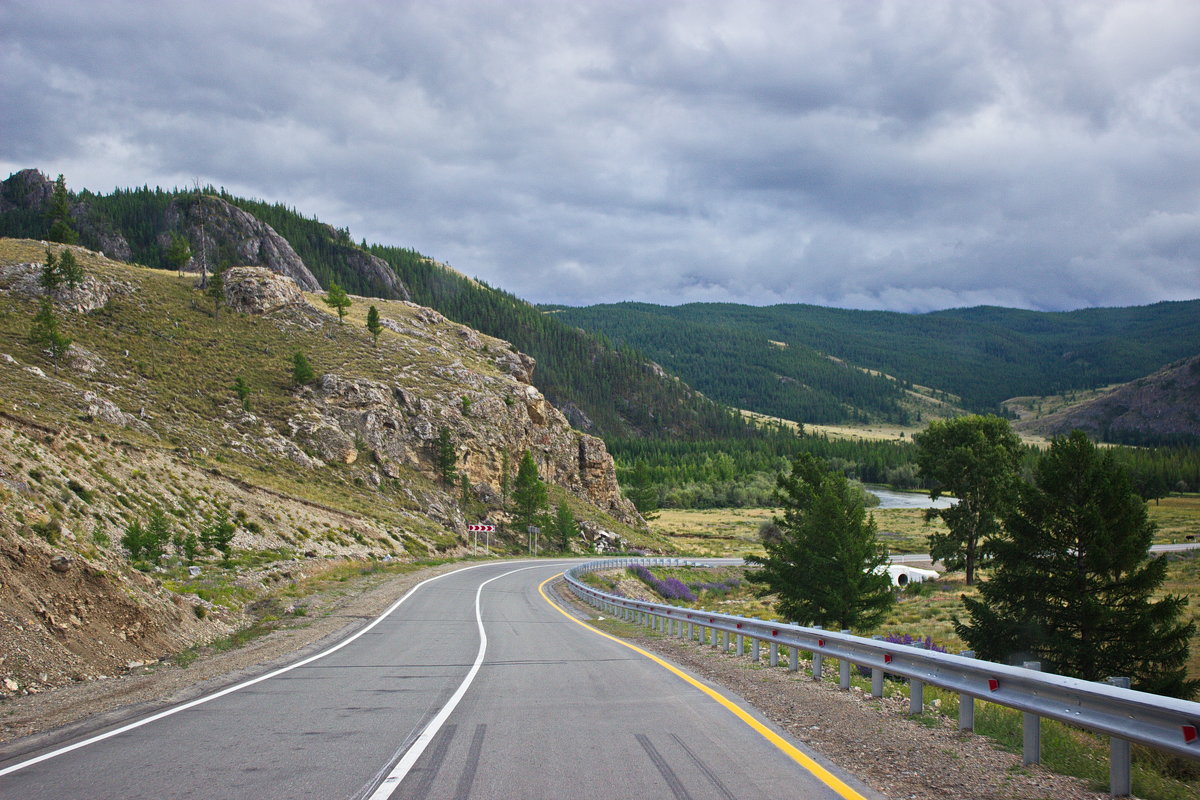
x=901 y=155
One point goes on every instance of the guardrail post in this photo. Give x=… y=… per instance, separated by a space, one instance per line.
x=756 y=650
x=1120 y=776
x=773 y=658
x=741 y=645
x=1031 y=749
x=844 y=669
x=916 y=690
x=724 y=641
x=877 y=676
x=691 y=632
x=816 y=660
x=966 y=703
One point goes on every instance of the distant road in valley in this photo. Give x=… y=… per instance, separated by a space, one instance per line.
x=439 y=700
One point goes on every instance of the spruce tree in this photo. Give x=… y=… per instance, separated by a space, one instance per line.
x=1073 y=583
x=60 y=215
x=302 y=371
x=975 y=458
x=337 y=299
x=445 y=457
x=565 y=527
x=825 y=567
x=69 y=269
x=44 y=332
x=242 y=390
x=374 y=325
x=178 y=252
x=529 y=497
x=218 y=531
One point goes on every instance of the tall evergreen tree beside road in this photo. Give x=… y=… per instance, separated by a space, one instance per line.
x=824 y=567
x=529 y=497
x=1073 y=583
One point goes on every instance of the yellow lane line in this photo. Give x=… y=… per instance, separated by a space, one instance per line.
x=822 y=774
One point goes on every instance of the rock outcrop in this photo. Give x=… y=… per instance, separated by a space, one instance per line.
x=257 y=290
x=91 y=294
x=380 y=278
x=214 y=226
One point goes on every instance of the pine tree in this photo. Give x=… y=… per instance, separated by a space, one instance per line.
x=337 y=299
x=825 y=567
x=217 y=533
x=242 y=390
x=216 y=290
x=1073 y=581
x=60 y=215
x=69 y=269
x=302 y=371
x=976 y=459
x=529 y=497
x=178 y=252
x=374 y=325
x=44 y=332
x=641 y=490
x=50 y=278
x=445 y=457
x=565 y=527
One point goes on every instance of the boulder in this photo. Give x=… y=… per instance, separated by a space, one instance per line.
x=257 y=290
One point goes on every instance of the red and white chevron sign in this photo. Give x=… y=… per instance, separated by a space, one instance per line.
x=482 y=528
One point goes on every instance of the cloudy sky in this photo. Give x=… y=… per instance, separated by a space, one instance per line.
x=887 y=155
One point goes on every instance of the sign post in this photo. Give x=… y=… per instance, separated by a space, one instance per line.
x=486 y=529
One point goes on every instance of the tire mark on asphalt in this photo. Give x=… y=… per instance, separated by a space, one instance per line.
x=708 y=773
x=463 y=790
x=664 y=768
x=434 y=763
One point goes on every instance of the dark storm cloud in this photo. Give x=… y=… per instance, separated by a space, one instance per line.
x=896 y=155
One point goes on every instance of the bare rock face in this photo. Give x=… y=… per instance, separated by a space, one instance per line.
x=257 y=290
x=28 y=188
x=501 y=420
x=381 y=279
x=211 y=222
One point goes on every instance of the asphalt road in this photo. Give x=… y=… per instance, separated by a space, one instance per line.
x=475 y=686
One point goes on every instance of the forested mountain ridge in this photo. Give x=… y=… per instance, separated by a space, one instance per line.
x=983 y=355
x=603 y=390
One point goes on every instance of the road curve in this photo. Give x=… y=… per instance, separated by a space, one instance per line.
x=473 y=686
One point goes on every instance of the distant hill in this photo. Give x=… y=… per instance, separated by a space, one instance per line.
x=1160 y=409
x=981 y=356
x=603 y=390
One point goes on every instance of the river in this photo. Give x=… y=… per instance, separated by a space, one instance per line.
x=890 y=499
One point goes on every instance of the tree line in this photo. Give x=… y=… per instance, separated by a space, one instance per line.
x=1064 y=551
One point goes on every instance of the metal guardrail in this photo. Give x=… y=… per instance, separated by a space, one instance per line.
x=1126 y=715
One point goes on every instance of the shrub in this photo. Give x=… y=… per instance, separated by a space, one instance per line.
x=669 y=589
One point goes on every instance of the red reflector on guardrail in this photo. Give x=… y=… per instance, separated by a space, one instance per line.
x=993 y=684
x=1190 y=733
x=820 y=642
x=774 y=633
x=887 y=658
x=739 y=624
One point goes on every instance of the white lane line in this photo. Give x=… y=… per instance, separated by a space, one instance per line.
x=398 y=773
x=230 y=690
